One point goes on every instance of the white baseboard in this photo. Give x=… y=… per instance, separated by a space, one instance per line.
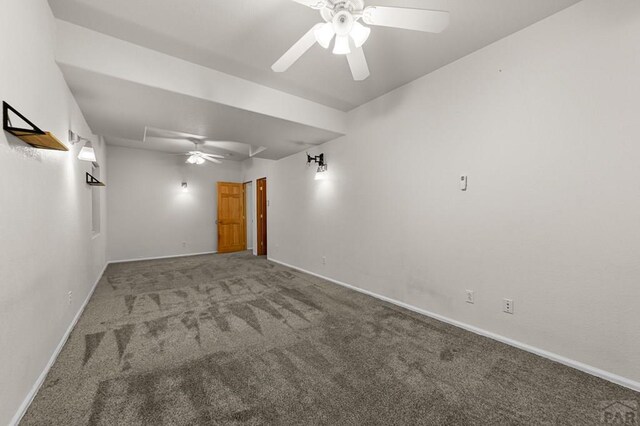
x=36 y=387
x=161 y=257
x=611 y=377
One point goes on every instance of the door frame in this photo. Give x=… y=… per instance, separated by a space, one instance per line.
x=261 y=210
x=245 y=193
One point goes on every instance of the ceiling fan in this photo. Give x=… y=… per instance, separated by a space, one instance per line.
x=199 y=157
x=222 y=149
x=342 y=22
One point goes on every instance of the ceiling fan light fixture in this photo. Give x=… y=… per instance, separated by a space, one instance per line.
x=324 y=34
x=199 y=160
x=341 y=22
x=341 y=46
x=359 y=34
x=192 y=159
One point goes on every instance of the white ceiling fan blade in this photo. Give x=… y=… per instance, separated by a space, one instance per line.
x=314 y=4
x=213 y=160
x=154 y=132
x=432 y=21
x=296 y=51
x=204 y=154
x=358 y=64
x=176 y=138
x=255 y=151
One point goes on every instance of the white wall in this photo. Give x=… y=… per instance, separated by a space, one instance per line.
x=252 y=170
x=545 y=123
x=46 y=244
x=150 y=216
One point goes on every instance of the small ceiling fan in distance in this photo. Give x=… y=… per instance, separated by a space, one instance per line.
x=199 y=157
x=342 y=21
x=221 y=149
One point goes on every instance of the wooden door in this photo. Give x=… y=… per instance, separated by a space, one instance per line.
x=231 y=218
x=261 y=213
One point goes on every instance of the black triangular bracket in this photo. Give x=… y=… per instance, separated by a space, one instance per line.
x=93 y=181
x=17 y=131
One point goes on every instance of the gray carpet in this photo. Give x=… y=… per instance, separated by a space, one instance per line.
x=234 y=339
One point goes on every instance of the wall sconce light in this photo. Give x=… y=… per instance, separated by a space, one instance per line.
x=319 y=160
x=87 y=153
x=185 y=188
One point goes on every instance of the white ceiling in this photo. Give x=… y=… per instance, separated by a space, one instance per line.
x=244 y=37
x=120 y=110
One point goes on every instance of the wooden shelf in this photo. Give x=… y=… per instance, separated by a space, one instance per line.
x=45 y=141
x=34 y=136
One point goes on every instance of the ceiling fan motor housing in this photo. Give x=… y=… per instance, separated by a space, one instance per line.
x=335 y=7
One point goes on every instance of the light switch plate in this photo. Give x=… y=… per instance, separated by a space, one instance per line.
x=463 y=182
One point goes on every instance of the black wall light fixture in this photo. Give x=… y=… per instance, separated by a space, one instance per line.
x=319 y=160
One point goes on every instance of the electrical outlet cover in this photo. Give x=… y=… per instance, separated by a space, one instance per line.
x=507 y=306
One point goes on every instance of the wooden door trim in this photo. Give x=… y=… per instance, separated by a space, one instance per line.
x=261 y=216
x=244 y=209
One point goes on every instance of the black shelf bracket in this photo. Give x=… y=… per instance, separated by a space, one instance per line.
x=93 y=181
x=17 y=131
